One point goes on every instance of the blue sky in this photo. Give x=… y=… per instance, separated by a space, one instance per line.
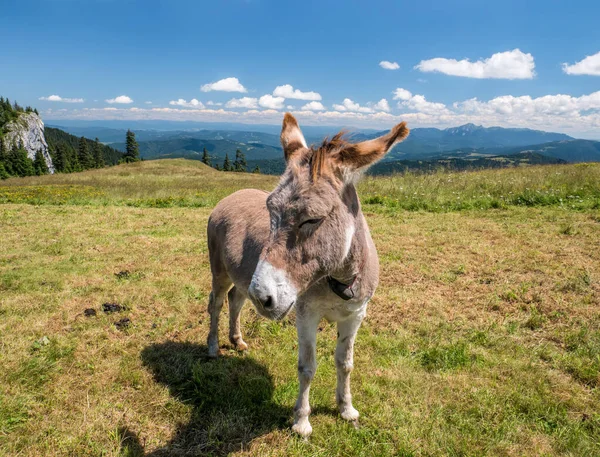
x=491 y=63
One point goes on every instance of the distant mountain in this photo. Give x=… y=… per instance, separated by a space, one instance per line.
x=571 y=150
x=192 y=148
x=463 y=163
x=423 y=142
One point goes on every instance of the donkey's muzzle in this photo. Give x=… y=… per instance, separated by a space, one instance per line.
x=271 y=291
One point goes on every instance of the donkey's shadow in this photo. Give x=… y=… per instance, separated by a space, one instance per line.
x=231 y=398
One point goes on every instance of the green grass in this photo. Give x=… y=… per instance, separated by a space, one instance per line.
x=482 y=339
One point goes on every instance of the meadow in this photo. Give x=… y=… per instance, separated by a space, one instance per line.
x=483 y=338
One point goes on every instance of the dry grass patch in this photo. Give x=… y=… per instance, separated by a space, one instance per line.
x=483 y=338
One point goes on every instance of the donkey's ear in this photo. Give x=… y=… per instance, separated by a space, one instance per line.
x=291 y=136
x=355 y=157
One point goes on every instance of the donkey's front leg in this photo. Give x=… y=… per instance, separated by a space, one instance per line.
x=306 y=324
x=344 y=360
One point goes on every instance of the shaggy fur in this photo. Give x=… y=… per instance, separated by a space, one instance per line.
x=278 y=250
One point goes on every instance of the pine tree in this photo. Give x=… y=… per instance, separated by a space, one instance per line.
x=20 y=164
x=132 y=151
x=240 y=164
x=3 y=173
x=205 y=157
x=83 y=154
x=39 y=164
x=59 y=159
x=98 y=156
x=217 y=167
x=256 y=170
x=227 y=164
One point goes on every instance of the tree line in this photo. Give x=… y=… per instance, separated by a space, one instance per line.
x=68 y=153
x=239 y=164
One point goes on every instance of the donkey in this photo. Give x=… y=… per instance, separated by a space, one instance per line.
x=306 y=244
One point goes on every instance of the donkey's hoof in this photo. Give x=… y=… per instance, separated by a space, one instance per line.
x=302 y=428
x=241 y=345
x=349 y=413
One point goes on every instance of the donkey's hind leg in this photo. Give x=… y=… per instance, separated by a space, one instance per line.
x=236 y=301
x=215 y=304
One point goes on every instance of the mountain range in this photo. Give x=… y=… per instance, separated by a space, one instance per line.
x=461 y=145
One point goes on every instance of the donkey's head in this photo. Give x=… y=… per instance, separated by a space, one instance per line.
x=313 y=214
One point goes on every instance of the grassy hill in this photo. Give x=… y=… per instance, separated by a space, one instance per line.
x=483 y=337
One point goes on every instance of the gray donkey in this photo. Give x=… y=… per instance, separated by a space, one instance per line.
x=305 y=244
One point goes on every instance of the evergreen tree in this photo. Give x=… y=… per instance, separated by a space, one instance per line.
x=83 y=154
x=3 y=173
x=20 y=164
x=217 y=167
x=98 y=156
x=240 y=164
x=227 y=164
x=256 y=170
x=205 y=157
x=132 y=151
x=3 y=153
x=59 y=159
x=39 y=164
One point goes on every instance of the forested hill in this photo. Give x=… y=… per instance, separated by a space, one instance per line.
x=64 y=144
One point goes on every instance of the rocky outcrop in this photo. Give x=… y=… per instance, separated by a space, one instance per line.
x=28 y=131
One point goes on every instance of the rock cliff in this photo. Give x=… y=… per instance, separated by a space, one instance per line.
x=28 y=131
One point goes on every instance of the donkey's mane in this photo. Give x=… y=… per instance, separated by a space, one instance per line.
x=329 y=145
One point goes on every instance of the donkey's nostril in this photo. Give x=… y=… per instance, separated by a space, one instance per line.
x=268 y=303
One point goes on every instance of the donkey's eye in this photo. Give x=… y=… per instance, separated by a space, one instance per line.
x=310 y=223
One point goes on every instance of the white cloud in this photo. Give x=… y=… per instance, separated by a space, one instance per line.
x=244 y=102
x=122 y=99
x=588 y=66
x=402 y=94
x=349 y=105
x=148 y=103
x=225 y=85
x=417 y=102
x=578 y=116
x=268 y=101
x=382 y=105
x=290 y=107
x=502 y=65
x=288 y=91
x=211 y=103
x=313 y=106
x=193 y=103
x=387 y=65
x=58 y=98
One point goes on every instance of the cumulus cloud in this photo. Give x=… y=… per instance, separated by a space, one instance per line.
x=588 y=66
x=387 y=65
x=244 y=102
x=381 y=105
x=224 y=85
x=313 y=106
x=502 y=65
x=121 y=99
x=417 y=102
x=402 y=94
x=211 y=103
x=58 y=98
x=288 y=91
x=148 y=103
x=193 y=103
x=268 y=101
x=578 y=116
x=349 y=105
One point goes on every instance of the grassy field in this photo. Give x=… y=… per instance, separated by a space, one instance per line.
x=483 y=337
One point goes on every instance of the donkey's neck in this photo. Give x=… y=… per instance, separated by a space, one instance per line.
x=358 y=251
